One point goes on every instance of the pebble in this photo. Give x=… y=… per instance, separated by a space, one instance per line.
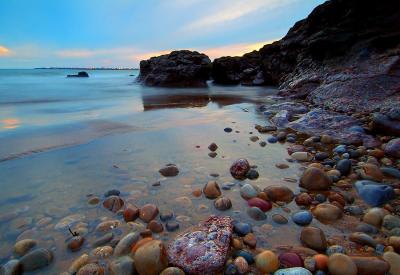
x=267 y=261
x=222 y=203
x=392 y=172
x=166 y=215
x=107 y=225
x=102 y=251
x=263 y=143
x=231 y=269
x=366 y=228
x=93 y=200
x=112 y=192
x=245 y=254
x=320 y=198
x=302 y=218
x=303 y=199
x=148 y=212
x=242 y=228
x=252 y=174
x=227 y=130
x=125 y=245
x=301 y=156
x=279 y=193
x=256 y=213
x=320 y=156
x=313 y=238
x=212 y=154
x=392 y=148
x=36 y=259
x=213 y=147
x=335 y=249
x=250 y=240
x=374 y=216
x=321 y=261
x=241 y=265
x=394 y=261
x=293 y=271
x=197 y=192
x=289 y=259
x=172 y=271
x=327 y=212
x=91 y=269
x=239 y=168
x=103 y=239
x=75 y=243
x=394 y=241
x=68 y=221
x=113 y=203
x=279 y=219
x=373 y=193
x=340 y=264
x=122 y=266
x=211 y=190
x=170 y=170
x=370 y=265
x=172 y=226
x=23 y=246
x=254 y=138
x=281 y=165
x=315 y=179
x=344 y=167
x=78 y=263
x=247 y=191
x=390 y=222
x=260 y=203
x=12 y=267
x=272 y=139
x=131 y=213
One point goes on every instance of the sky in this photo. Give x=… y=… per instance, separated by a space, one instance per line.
x=120 y=33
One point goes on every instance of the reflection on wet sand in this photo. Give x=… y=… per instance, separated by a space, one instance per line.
x=10 y=123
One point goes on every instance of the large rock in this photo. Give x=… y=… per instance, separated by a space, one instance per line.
x=343 y=56
x=203 y=249
x=177 y=69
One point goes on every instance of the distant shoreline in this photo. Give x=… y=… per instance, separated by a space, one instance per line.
x=87 y=69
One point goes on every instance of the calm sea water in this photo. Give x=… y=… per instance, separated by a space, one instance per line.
x=63 y=139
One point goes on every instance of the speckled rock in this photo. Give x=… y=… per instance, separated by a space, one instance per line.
x=239 y=168
x=107 y=225
x=91 y=269
x=102 y=251
x=209 y=244
x=241 y=264
x=78 y=263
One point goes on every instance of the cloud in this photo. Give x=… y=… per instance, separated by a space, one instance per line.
x=231 y=11
x=4 y=51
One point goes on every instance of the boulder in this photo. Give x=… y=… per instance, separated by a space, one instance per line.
x=203 y=249
x=177 y=69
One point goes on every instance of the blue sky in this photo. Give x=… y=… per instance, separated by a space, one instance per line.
x=122 y=32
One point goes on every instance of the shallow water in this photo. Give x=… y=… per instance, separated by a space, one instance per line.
x=64 y=139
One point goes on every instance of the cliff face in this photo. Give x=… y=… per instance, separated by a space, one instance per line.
x=345 y=55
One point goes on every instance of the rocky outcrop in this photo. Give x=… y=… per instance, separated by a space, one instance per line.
x=177 y=69
x=344 y=56
x=80 y=74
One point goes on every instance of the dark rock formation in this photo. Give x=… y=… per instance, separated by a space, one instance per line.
x=80 y=74
x=177 y=69
x=344 y=56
